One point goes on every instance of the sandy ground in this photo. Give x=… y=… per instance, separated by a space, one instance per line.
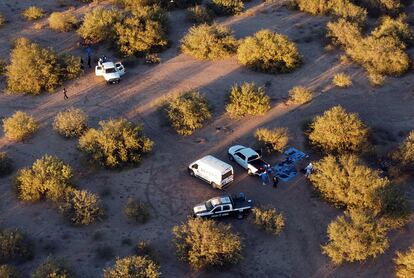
x=162 y=181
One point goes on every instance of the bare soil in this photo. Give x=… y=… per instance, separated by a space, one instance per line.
x=162 y=181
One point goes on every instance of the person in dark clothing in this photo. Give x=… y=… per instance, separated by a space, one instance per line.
x=275 y=180
x=65 y=96
x=89 y=61
x=81 y=64
x=89 y=53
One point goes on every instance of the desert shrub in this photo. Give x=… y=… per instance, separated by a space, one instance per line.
x=152 y=58
x=33 y=69
x=144 y=248
x=70 y=123
x=397 y=28
x=19 y=126
x=62 y=21
x=382 y=6
x=355 y=237
x=273 y=140
x=394 y=208
x=53 y=268
x=200 y=14
x=133 y=266
x=346 y=181
x=137 y=211
x=3 y=67
x=6 y=164
x=300 y=95
x=14 y=245
x=226 y=7
x=48 y=177
x=2 y=20
x=405 y=152
x=81 y=207
x=8 y=271
x=269 y=52
x=206 y=243
x=247 y=99
x=98 y=25
x=269 y=220
x=404 y=264
x=33 y=13
x=117 y=143
x=209 y=42
x=137 y=4
x=187 y=112
x=342 y=80
x=338 y=131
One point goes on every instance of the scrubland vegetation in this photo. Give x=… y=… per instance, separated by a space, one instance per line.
x=71 y=122
x=269 y=220
x=133 y=266
x=19 y=126
x=62 y=21
x=300 y=95
x=272 y=140
x=33 y=13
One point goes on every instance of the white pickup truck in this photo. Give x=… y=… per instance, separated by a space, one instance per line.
x=248 y=158
x=112 y=72
x=223 y=206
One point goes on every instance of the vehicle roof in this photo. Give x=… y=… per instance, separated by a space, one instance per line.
x=215 y=163
x=221 y=200
x=247 y=152
x=108 y=65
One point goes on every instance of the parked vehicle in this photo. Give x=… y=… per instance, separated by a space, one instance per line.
x=248 y=158
x=217 y=173
x=223 y=206
x=112 y=72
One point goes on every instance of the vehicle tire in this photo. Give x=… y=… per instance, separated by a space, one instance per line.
x=249 y=172
x=191 y=172
x=231 y=158
x=240 y=215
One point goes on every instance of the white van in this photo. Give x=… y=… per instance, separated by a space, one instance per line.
x=212 y=170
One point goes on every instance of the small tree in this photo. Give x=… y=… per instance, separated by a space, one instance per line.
x=48 y=177
x=53 y=268
x=269 y=220
x=137 y=211
x=269 y=52
x=355 y=237
x=204 y=243
x=33 y=13
x=81 y=207
x=300 y=95
x=187 y=112
x=71 y=122
x=14 y=246
x=19 y=126
x=8 y=271
x=200 y=14
x=116 y=143
x=209 y=42
x=133 y=266
x=397 y=28
x=247 y=99
x=342 y=80
x=273 y=140
x=405 y=152
x=404 y=264
x=62 y=21
x=6 y=164
x=345 y=181
x=338 y=131
x=227 y=7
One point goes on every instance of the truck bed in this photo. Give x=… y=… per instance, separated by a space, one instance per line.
x=241 y=203
x=259 y=164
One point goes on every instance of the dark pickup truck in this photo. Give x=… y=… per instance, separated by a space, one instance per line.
x=223 y=206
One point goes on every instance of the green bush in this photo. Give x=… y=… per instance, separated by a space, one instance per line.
x=62 y=21
x=226 y=7
x=98 y=25
x=247 y=99
x=33 y=13
x=187 y=112
x=6 y=164
x=200 y=14
x=8 y=271
x=273 y=140
x=404 y=264
x=209 y=42
x=117 y=143
x=405 y=152
x=14 y=246
x=81 y=207
x=269 y=220
x=71 y=123
x=48 y=177
x=137 y=211
x=342 y=80
x=355 y=237
x=300 y=95
x=19 y=126
x=397 y=28
x=269 y=52
x=133 y=266
x=53 y=268
x=346 y=181
x=338 y=131
x=33 y=69
x=206 y=243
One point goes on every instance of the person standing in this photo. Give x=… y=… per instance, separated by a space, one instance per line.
x=264 y=177
x=309 y=170
x=89 y=53
x=65 y=96
x=275 y=180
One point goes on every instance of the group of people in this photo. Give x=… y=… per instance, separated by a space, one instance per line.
x=268 y=171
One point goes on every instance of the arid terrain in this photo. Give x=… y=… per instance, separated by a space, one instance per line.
x=162 y=180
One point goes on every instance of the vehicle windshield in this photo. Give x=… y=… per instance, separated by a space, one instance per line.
x=209 y=206
x=253 y=157
x=226 y=175
x=110 y=70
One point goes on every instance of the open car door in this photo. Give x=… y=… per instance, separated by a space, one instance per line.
x=120 y=68
x=99 y=71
